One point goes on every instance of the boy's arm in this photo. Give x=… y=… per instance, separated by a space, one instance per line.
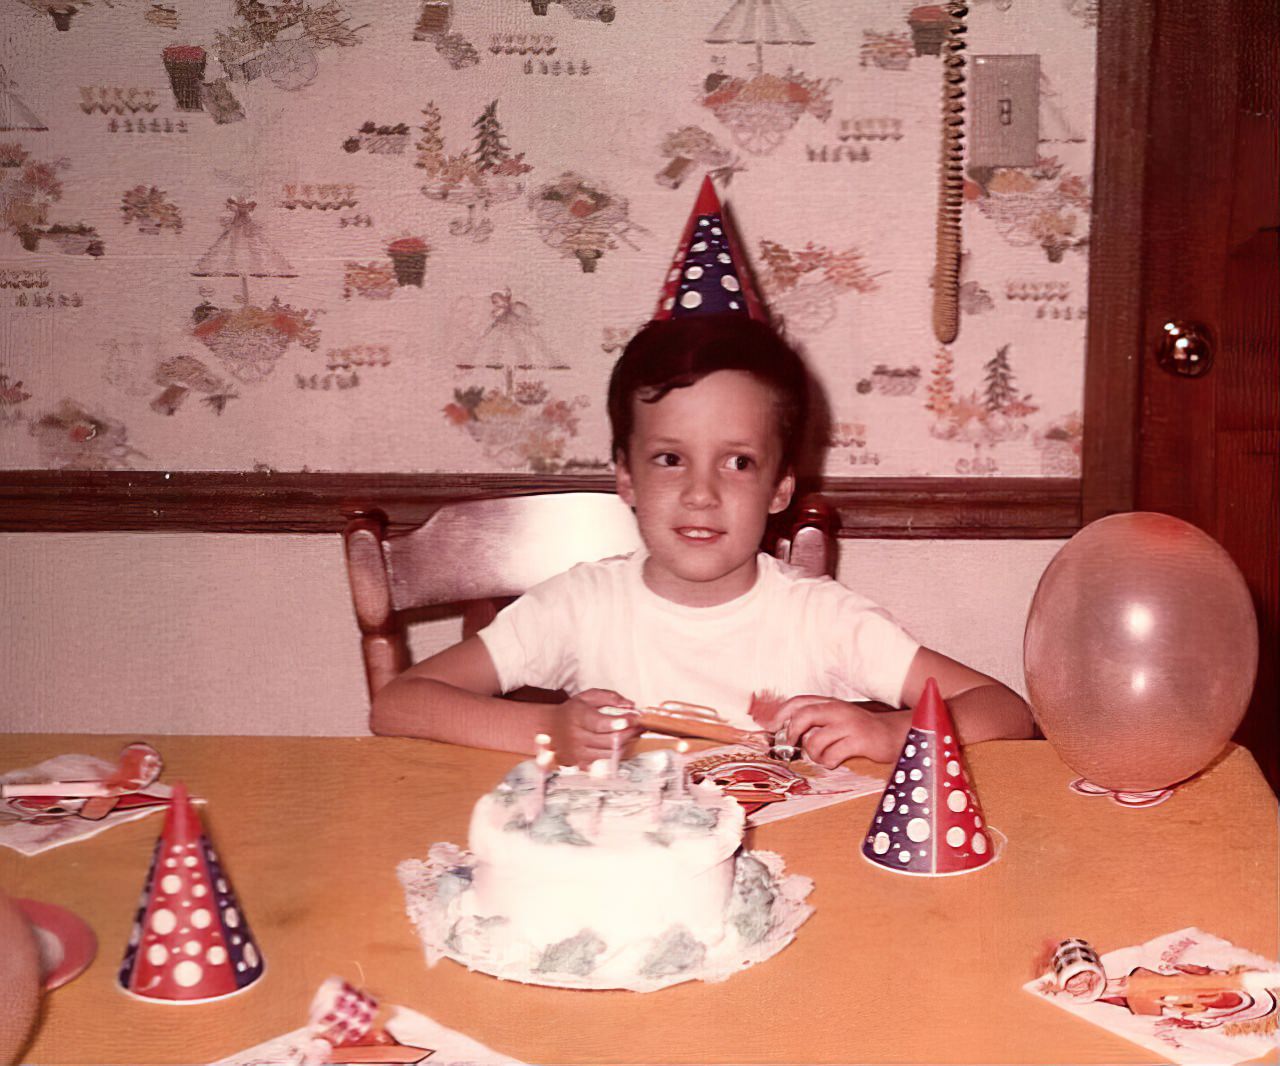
x=981 y=707
x=453 y=696
x=833 y=730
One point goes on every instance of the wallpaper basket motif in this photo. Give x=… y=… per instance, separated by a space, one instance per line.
x=221 y=201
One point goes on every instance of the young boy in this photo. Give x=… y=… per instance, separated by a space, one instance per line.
x=706 y=411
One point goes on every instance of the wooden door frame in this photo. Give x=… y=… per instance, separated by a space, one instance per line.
x=1114 y=341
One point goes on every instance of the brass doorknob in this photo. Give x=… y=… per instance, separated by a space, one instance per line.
x=1186 y=349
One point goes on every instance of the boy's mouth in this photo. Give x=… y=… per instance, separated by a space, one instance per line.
x=700 y=534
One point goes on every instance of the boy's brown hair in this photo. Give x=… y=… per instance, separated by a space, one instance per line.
x=680 y=352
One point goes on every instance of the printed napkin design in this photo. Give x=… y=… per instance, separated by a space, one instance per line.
x=1222 y=1027
x=448 y=1046
x=770 y=790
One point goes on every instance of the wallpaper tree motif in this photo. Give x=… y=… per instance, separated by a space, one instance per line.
x=413 y=235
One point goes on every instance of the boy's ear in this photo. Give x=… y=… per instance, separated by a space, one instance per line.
x=622 y=479
x=783 y=493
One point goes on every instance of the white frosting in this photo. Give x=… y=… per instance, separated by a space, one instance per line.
x=603 y=860
x=622 y=884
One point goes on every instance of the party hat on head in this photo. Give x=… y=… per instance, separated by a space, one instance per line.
x=709 y=272
x=929 y=821
x=190 y=942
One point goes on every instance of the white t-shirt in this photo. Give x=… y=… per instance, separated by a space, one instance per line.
x=598 y=625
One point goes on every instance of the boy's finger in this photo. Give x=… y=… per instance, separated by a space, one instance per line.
x=814 y=713
x=585 y=740
x=598 y=722
x=824 y=743
x=604 y=697
x=795 y=704
x=813 y=743
x=838 y=751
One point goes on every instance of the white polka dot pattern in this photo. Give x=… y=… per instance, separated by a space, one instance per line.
x=180 y=950
x=187 y=973
x=704 y=278
x=930 y=803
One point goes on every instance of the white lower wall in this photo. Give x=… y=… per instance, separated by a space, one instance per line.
x=253 y=633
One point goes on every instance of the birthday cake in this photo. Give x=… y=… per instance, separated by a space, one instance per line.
x=626 y=879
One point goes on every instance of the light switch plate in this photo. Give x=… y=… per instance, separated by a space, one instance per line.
x=1004 y=111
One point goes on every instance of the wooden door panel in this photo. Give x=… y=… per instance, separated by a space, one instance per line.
x=1207 y=448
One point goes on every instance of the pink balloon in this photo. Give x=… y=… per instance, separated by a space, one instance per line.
x=1140 y=651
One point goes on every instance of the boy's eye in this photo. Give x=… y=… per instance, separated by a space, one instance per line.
x=667 y=459
x=740 y=462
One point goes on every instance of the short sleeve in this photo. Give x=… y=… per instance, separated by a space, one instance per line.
x=530 y=640
x=867 y=654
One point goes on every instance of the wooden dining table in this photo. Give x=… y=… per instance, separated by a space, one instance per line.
x=889 y=968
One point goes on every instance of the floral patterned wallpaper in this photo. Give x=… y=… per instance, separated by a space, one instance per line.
x=413 y=235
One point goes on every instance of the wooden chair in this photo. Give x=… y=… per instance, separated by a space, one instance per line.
x=478 y=553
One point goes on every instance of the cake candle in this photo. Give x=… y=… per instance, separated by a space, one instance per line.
x=542 y=761
x=599 y=773
x=682 y=749
x=659 y=787
x=615 y=757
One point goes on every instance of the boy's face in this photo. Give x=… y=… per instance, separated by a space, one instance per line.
x=701 y=471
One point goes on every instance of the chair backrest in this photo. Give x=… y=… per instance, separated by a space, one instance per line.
x=474 y=552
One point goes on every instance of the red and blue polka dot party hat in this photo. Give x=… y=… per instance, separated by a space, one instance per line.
x=190 y=942
x=709 y=272
x=929 y=821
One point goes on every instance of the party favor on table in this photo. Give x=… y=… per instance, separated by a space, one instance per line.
x=348 y=1025
x=1189 y=996
x=73 y=797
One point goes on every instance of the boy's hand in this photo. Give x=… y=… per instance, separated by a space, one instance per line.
x=582 y=734
x=830 y=731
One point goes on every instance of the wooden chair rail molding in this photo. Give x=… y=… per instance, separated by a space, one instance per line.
x=87 y=501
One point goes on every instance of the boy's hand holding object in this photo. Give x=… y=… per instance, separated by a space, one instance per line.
x=827 y=730
x=690 y=720
x=584 y=729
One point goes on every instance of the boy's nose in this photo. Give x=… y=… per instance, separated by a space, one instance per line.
x=699 y=491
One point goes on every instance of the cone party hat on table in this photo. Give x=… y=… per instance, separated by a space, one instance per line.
x=190 y=942
x=929 y=820
x=709 y=272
